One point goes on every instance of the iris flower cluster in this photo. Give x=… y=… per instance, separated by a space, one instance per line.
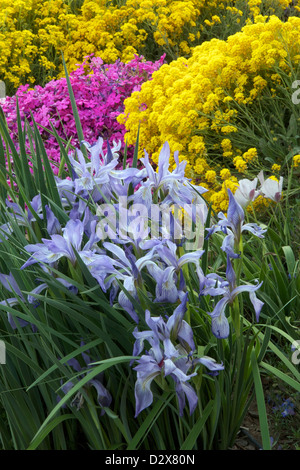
x=120 y=260
x=233 y=225
x=172 y=347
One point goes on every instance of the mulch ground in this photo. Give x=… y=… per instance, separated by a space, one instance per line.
x=249 y=437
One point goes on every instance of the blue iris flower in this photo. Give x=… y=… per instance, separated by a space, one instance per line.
x=233 y=225
x=216 y=286
x=172 y=346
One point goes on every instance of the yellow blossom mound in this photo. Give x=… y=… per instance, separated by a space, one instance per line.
x=217 y=108
x=34 y=32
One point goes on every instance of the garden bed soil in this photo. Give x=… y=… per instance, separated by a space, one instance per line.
x=249 y=437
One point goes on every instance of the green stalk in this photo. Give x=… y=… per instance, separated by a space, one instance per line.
x=236 y=306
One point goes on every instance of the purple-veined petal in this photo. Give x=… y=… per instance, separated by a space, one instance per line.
x=163 y=162
x=212 y=230
x=68 y=285
x=36 y=205
x=140 y=337
x=103 y=396
x=186 y=336
x=257 y=304
x=220 y=307
x=156 y=351
x=235 y=216
x=175 y=320
x=210 y=363
x=82 y=163
x=147 y=370
x=150 y=171
x=255 y=229
x=220 y=326
x=143 y=394
x=230 y=274
x=31 y=299
x=143 y=195
x=124 y=301
x=245 y=288
x=119 y=252
x=171 y=368
x=73 y=233
x=53 y=225
x=190 y=258
x=166 y=289
x=167 y=253
x=66 y=388
x=214 y=291
x=185 y=390
x=58 y=247
x=85 y=182
x=170 y=351
x=75 y=364
x=95 y=151
x=41 y=254
x=9 y=282
x=228 y=245
x=11 y=302
x=154 y=323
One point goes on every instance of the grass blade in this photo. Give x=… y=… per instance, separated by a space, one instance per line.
x=197 y=428
x=260 y=400
x=60 y=419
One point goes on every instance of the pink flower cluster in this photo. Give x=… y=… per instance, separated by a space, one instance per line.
x=99 y=90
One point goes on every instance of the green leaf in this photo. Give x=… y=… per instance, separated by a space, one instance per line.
x=135 y=158
x=290 y=259
x=260 y=400
x=51 y=183
x=64 y=360
x=125 y=156
x=149 y=421
x=74 y=107
x=89 y=376
x=197 y=428
x=282 y=376
x=28 y=182
x=50 y=426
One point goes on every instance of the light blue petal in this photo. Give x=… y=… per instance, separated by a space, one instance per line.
x=73 y=233
x=211 y=363
x=220 y=327
x=235 y=214
x=103 y=396
x=31 y=299
x=257 y=304
x=183 y=390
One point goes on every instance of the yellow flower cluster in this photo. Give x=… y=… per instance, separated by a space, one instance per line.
x=296 y=161
x=34 y=32
x=193 y=103
x=276 y=168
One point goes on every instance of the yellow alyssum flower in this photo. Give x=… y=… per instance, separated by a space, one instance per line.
x=198 y=112
x=225 y=174
x=250 y=154
x=296 y=160
x=120 y=30
x=240 y=164
x=276 y=167
x=210 y=176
